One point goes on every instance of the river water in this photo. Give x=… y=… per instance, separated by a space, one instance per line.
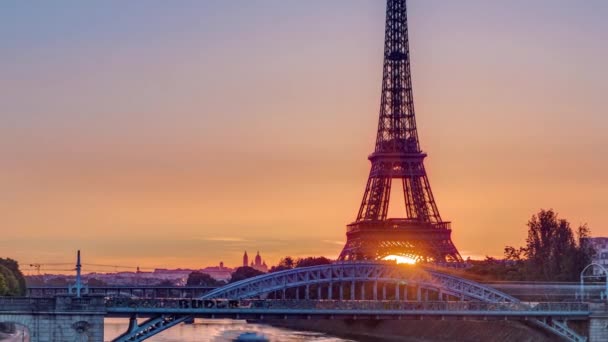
x=220 y=331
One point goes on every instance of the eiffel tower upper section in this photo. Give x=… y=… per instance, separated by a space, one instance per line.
x=397 y=153
x=421 y=235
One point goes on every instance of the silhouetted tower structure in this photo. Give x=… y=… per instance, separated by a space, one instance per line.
x=422 y=235
x=245 y=260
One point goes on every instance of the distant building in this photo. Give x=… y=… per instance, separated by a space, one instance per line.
x=259 y=264
x=219 y=273
x=600 y=247
x=245 y=260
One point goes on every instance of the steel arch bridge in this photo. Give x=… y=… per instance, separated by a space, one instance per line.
x=401 y=276
x=361 y=281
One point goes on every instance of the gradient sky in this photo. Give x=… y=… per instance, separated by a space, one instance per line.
x=160 y=133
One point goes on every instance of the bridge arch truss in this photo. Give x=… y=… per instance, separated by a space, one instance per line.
x=376 y=276
x=360 y=280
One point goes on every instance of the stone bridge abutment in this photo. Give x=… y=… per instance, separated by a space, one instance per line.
x=57 y=319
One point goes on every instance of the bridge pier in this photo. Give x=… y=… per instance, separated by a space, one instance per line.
x=598 y=323
x=329 y=291
x=352 y=290
x=397 y=291
x=56 y=319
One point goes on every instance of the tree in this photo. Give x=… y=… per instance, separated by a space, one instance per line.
x=551 y=250
x=513 y=254
x=13 y=267
x=3 y=286
x=201 y=279
x=285 y=263
x=96 y=282
x=288 y=263
x=312 y=261
x=586 y=251
x=243 y=273
x=165 y=282
x=552 y=253
x=12 y=284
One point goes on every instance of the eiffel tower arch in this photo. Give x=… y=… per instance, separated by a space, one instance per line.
x=421 y=235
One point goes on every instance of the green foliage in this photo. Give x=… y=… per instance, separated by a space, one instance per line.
x=202 y=279
x=312 y=261
x=551 y=250
x=552 y=253
x=243 y=273
x=289 y=263
x=3 y=286
x=12 y=281
x=285 y=263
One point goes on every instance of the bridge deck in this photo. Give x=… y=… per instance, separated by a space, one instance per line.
x=256 y=309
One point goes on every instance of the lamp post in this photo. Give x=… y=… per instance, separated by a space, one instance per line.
x=603 y=294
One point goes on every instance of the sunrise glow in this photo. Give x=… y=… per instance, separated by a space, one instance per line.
x=401 y=259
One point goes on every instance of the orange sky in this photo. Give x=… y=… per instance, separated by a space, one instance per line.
x=182 y=136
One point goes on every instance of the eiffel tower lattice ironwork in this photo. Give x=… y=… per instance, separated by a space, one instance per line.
x=422 y=235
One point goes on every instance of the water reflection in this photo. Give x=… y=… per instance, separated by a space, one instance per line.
x=220 y=331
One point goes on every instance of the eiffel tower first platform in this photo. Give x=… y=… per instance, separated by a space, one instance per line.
x=422 y=235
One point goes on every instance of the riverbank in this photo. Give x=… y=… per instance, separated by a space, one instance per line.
x=420 y=331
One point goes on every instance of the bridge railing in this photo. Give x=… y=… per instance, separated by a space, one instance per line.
x=65 y=303
x=362 y=305
x=24 y=303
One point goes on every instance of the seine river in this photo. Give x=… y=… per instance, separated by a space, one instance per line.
x=220 y=331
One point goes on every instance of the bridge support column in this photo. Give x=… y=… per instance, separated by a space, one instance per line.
x=283 y=295
x=329 y=291
x=598 y=323
x=383 y=291
x=341 y=290
x=352 y=290
x=298 y=293
x=397 y=291
x=363 y=291
x=418 y=294
x=307 y=292
x=319 y=291
x=375 y=290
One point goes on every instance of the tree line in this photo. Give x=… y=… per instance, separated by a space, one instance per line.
x=554 y=251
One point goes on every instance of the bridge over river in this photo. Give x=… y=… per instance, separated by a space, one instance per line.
x=350 y=290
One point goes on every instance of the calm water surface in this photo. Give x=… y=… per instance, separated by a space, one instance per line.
x=220 y=331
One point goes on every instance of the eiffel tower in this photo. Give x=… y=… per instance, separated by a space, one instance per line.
x=421 y=236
